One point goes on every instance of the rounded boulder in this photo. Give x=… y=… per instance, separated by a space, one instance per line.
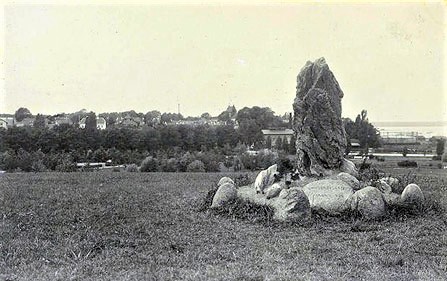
x=226 y=192
x=349 y=167
x=225 y=180
x=349 y=179
x=292 y=206
x=328 y=195
x=368 y=202
x=412 y=196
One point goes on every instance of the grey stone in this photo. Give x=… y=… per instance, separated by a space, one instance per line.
x=226 y=192
x=412 y=196
x=291 y=205
x=384 y=187
x=225 y=180
x=329 y=195
x=391 y=181
x=320 y=135
x=265 y=178
x=368 y=202
x=349 y=179
x=273 y=191
x=294 y=207
x=349 y=167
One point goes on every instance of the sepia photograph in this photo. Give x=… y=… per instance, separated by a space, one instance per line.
x=223 y=140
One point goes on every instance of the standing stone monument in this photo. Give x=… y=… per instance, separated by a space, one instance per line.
x=320 y=135
x=320 y=145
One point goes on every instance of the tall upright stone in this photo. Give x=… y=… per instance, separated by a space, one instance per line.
x=320 y=135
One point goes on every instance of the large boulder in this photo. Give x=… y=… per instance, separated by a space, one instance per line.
x=328 y=195
x=320 y=135
x=266 y=178
x=349 y=167
x=225 y=180
x=412 y=196
x=368 y=202
x=225 y=193
x=349 y=179
x=292 y=206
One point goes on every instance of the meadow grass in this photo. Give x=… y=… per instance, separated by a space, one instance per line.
x=148 y=226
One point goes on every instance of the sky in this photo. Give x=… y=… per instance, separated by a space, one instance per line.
x=388 y=58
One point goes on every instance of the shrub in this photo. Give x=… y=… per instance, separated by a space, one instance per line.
x=380 y=159
x=407 y=163
x=186 y=159
x=248 y=161
x=169 y=165
x=132 y=168
x=436 y=157
x=8 y=161
x=266 y=158
x=24 y=160
x=285 y=165
x=149 y=164
x=196 y=166
x=242 y=180
x=66 y=164
x=38 y=166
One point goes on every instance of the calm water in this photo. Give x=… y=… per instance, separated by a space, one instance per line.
x=426 y=131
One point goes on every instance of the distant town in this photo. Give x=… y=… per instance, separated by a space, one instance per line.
x=394 y=136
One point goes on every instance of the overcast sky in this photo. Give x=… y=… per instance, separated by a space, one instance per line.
x=387 y=58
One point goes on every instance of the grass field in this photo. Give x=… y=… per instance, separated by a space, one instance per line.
x=137 y=226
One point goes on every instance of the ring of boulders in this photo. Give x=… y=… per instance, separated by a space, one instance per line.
x=337 y=194
x=327 y=181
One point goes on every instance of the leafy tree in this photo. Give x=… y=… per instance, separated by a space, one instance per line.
x=196 y=166
x=252 y=120
x=440 y=145
x=292 y=145
x=149 y=164
x=228 y=114
x=268 y=142
x=362 y=130
x=18 y=138
x=205 y=115
x=90 y=122
x=169 y=117
x=170 y=137
x=22 y=113
x=152 y=117
x=39 y=122
x=279 y=143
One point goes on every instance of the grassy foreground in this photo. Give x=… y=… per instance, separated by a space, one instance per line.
x=136 y=226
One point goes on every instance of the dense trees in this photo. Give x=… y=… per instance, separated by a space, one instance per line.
x=22 y=113
x=253 y=120
x=440 y=146
x=362 y=130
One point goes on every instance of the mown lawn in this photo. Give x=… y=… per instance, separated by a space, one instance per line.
x=137 y=226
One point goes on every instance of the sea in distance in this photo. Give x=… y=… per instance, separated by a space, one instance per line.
x=426 y=129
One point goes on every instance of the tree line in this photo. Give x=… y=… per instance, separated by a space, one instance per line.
x=58 y=148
